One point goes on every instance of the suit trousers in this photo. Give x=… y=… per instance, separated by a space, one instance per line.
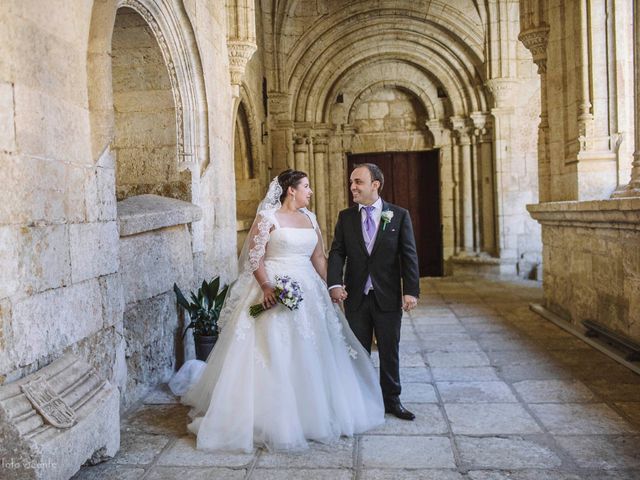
x=369 y=319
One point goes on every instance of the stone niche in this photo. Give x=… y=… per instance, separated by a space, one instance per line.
x=591 y=262
x=155 y=253
x=69 y=394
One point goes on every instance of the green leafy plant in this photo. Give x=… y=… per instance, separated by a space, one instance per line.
x=203 y=307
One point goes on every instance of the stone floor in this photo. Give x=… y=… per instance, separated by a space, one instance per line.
x=499 y=393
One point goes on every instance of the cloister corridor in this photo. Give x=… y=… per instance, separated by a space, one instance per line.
x=499 y=393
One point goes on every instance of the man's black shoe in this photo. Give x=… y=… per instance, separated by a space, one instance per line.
x=399 y=411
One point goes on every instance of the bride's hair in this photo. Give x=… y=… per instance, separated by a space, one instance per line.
x=289 y=178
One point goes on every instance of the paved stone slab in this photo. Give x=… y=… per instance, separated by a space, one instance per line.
x=611 y=390
x=526 y=356
x=391 y=451
x=339 y=455
x=490 y=419
x=161 y=395
x=184 y=453
x=581 y=419
x=440 y=329
x=503 y=341
x=397 y=474
x=407 y=359
x=139 y=448
x=457 y=359
x=475 y=392
x=505 y=453
x=302 y=474
x=428 y=421
x=158 y=419
x=415 y=374
x=467 y=310
x=602 y=452
x=553 y=391
x=525 y=475
x=631 y=410
x=195 y=473
x=443 y=343
x=110 y=471
x=465 y=374
x=418 y=393
x=516 y=373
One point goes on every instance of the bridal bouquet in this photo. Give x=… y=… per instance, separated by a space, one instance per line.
x=288 y=293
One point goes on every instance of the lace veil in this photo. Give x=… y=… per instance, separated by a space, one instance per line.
x=254 y=248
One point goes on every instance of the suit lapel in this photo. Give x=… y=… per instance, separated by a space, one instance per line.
x=381 y=231
x=357 y=225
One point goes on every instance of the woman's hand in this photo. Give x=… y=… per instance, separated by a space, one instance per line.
x=269 y=293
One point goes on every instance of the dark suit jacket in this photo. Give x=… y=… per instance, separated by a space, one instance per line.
x=393 y=263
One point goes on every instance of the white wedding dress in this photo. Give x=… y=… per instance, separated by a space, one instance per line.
x=284 y=377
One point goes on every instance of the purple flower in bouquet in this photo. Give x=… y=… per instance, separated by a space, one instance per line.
x=288 y=293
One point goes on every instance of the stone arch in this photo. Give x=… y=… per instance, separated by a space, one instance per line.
x=468 y=26
x=175 y=36
x=251 y=116
x=321 y=68
x=411 y=88
x=249 y=182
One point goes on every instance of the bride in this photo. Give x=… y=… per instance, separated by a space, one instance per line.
x=286 y=376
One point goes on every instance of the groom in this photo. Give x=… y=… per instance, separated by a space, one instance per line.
x=375 y=239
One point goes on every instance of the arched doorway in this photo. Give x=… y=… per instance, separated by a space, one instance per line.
x=145 y=114
x=248 y=186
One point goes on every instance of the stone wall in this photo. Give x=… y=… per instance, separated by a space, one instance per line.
x=59 y=286
x=592 y=262
x=67 y=281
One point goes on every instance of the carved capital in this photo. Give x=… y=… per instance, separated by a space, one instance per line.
x=461 y=129
x=502 y=90
x=481 y=126
x=536 y=39
x=240 y=52
x=300 y=143
x=437 y=129
x=320 y=143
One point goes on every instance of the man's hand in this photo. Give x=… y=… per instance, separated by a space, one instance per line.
x=409 y=302
x=338 y=294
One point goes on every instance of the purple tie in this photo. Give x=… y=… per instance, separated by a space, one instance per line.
x=369 y=224
x=370 y=228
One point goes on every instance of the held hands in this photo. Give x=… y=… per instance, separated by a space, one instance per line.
x=409 y=302
x=338 y=294
x=269 y=293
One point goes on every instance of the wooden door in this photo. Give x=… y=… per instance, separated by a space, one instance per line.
x=412 y=181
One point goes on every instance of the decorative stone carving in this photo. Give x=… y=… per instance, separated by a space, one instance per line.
x=48 y=403
x=84 y=423
x=502 y=90
x=536 y=40
x=240 y=52
x=481 y=126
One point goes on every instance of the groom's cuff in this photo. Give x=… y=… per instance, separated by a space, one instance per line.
x=334 y=286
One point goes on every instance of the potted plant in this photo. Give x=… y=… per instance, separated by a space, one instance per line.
x=204 y=310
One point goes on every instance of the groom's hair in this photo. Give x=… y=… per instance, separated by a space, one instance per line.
x=289 y=178
x=374 y=170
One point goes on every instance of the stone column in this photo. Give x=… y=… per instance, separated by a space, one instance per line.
x=535 y=39
x=483 y=184
x=465 y=189
x=241 y=39
x=301 y=152
x=503 y=114
x=633 y=188
x=320 y=149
